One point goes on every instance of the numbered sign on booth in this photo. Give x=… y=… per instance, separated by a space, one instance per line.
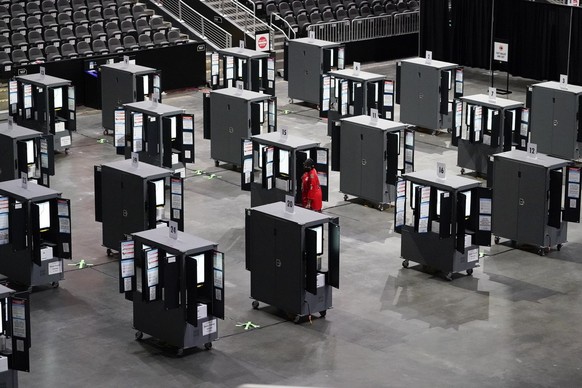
x=441 y=170
x=173 y=229
x=289 y=204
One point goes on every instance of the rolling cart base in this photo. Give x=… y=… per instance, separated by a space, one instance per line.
x=541 y=250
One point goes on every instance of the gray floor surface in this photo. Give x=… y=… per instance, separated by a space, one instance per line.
x=514 y=323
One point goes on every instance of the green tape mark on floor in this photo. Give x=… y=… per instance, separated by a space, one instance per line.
x=247 y=325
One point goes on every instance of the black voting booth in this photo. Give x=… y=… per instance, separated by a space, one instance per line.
x=293 y=258
x=162 y=135
x=370 y=156
x=306 y=62
x=482 y=127
x=15 y=321
x=46 y=104
x=232 y=114
x=256 y=69
x=131 y=198
x=451 y=217
x=122 y=83
x=25 y=151
x=355 y=93
x=35 y=233
x=176 y=286
x=425 y=90
x=534 y=198
x=273 y=166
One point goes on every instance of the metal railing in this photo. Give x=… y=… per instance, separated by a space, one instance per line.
x=406 y=23
x=241 y=15
x=367 y=28
x=276 y=18
x=207 y=29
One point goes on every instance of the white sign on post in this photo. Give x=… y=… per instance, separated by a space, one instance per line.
x=134 y=159
x=428 y=57
x=173 y=229
x=289 y=204
x=501 y=52
x=373 y=116
x=24 y=177
x=441 y=170
x=156 y=96
x=42 y=71
x=240 y=86
x=532 y=150
x=284 y=134
x=492 y=94
x=126 y=60
x=241 y=45
x=564 y=81
x=357 y=67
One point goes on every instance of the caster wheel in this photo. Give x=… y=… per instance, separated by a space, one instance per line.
x=462 y=171
x=66 y=151
x=405 y=263
x=208 y=345
x=541 y=251
x=106 y=132
x=345 y=197
x=255 y=304
x=109 y=252
x=323 y=313
x=381 y=207
x=449 y=130
x=297 y=319
x=290 y=101
x=449 y=276
x=216 y=163
x=470 y=271
x=55 y=284
x=497 y=239
x=138 y=335
x=180 y=352
x=559 y=247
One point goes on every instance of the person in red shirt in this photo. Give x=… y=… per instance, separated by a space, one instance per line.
x=310 y=188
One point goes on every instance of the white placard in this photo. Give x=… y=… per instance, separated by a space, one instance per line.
x=373 y=116
x=473 y=255
x=55 y=267
x=173 y=229
x=42 y=71
x=564 y=81
x=441 y=170
x=127 y=268
x=289 y=204
x=428 y=57
x=24 y=178
x=532 y=150
x=134 y=159
x=126 y=60
x=262 y=42
x=485 y=206
x=311 y=35
x=241 y=45
x=492 y=94
x=485 y=223
x=65 y=141
x=357 y=68
x=209 y=327
x=284 y=134
x=501 y=52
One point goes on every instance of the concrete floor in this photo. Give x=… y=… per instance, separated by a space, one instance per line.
x=514 y=323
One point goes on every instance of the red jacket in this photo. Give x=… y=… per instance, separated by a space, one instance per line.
x=311 y=190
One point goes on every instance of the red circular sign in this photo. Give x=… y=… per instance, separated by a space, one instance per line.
x=262 y=42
